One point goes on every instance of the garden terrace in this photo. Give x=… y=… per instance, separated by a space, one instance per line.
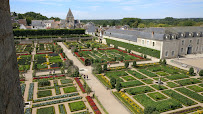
x=40 y=61
x=161 y=106
x=140 y=49
x=184 y=100
x=24 y=62
x=191 y=94
x=139 y=82
x=24 y=48
x=108 y=55
x=55 y=60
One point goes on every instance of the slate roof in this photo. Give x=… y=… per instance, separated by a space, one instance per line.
x=153 y=33
x=40 y=22
x=70 y=14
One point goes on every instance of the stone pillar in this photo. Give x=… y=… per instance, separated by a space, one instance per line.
x=11 y=100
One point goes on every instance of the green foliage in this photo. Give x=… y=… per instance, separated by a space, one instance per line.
x=179 y=97
x=126 y=64
x=136 y=74
x=149 y=110
x=157 y=96
x=69 y=89
x=191 y=94
x=188 y=81
x=140 y=49
x=105 y=67
x=139 y=90
x=134 y=64
x=47 y=32
x=191 y=71
x=131 y=84
x=161 y=106
x=44 y=93
x=65 y=81
x=118 y=86
x=177 y=76
x=113 y=82
x=148 y=73
x=47 y=110
x=201 y=73
x=43 y=83
x=75 y=106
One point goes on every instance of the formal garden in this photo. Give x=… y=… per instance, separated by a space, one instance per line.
x=66 y=92
x=138 y=88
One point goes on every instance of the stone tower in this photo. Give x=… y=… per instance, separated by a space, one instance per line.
x=11 y=100
x=70 y=19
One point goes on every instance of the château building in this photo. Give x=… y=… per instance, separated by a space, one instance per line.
x=170 y=41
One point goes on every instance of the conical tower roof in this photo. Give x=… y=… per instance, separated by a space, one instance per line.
x=70 y=14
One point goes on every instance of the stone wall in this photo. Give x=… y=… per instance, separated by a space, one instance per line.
x=11 y=100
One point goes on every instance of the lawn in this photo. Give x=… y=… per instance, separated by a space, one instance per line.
x=75 y=106
x=47 y=110
x=69 y=89
x=44 y=93
x=157 y=96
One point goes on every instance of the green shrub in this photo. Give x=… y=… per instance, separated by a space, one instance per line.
x=43 y=83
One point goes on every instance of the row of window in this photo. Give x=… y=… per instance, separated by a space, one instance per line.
x=148 y=43
x=183 y=41
x=182 y=49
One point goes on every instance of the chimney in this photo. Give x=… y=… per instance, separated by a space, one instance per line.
x=152 y=33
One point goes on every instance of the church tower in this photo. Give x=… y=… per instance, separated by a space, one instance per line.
x=70 y=19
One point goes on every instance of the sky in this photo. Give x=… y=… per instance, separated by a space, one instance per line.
x=111 y=9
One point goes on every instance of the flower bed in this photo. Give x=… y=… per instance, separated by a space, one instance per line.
x=116 y=68
x=47 y=110
x=44 y=93
x=139 y=90
x=23 y=89
x=62 y=56
x=55 y=97
x=177 y=76
x=45 y=53
x=62 y=109
x=69 y=89
x=131 y=84
x=136 y=74
x=28 y=111
x=148 y=73
x=191 y=94
x=93 y=105
x=161 y=106
x=157 y=96
x=30 y=93
x=43 y=77
x=179 y=97
x=172 y=84
x=128 y=102
x=80 y=84
x=104 y=80
x=195 y=88
x=188 y=81
x=56 y=86
x=56 y=102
